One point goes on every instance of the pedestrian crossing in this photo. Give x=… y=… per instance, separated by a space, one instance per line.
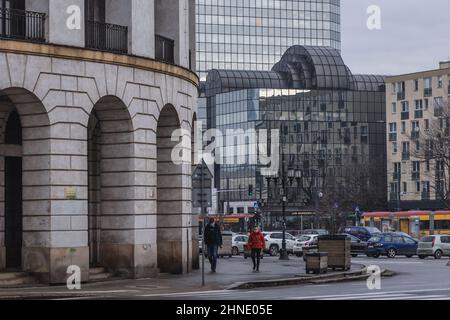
x=379 y=296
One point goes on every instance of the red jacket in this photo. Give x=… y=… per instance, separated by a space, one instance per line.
x=256 y=240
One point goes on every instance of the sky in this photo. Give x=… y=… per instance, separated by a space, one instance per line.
x=414 y=36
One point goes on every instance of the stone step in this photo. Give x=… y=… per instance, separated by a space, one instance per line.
x=12 y=275
x=12 y=279
x=97 y=270
x=98 y=277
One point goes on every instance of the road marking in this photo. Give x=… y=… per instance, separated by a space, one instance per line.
x=408 y=297
x=194 y=293
x=367 y=293
x=364 y=297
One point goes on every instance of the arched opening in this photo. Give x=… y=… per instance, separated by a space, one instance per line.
x=110 y=163
x=24 y=161
x=12 y=162
x=171 y=231
x=195 y=222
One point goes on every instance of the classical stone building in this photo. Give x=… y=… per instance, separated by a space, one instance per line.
x=86 y=114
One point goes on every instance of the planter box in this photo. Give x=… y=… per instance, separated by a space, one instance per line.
x=317 y=262
x=338 y=249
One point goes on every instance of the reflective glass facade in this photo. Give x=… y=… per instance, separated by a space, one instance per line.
x=253 y=34
x=330 y=120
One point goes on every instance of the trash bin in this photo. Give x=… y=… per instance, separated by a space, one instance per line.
x=317 y=262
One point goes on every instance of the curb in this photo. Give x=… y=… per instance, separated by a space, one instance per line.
x=303 y=279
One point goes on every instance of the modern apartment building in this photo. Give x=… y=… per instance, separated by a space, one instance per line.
x=417 y=113
x=90 y=93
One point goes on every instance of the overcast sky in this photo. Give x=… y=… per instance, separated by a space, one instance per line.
x=414 y=36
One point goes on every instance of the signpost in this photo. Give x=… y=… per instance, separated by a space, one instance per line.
x=202 y=198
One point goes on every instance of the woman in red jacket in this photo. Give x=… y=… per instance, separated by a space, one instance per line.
x=256 y=242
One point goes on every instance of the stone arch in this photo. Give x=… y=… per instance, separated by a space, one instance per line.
x=174 y=242
x=25 y=180
x=110 y=178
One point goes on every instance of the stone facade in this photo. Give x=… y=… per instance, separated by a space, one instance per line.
x=98 y=184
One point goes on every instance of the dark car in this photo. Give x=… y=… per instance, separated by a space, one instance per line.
x=391 y=245
x=357 y=246
x=362 y=233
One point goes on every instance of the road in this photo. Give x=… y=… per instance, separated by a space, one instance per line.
x=415 y=280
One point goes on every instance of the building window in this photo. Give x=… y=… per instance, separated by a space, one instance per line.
x=416 y=166
x=394 y=107
x=416 y=85
x=427 y=124
x=427 y=103
x=403 y=127
x=415 y=126
x=392 y=131
x=394 y=147
x=417 y=145
x=394 y=88
x=440 y=82
x=417 y=186
x=405 y=187
x=405 y=106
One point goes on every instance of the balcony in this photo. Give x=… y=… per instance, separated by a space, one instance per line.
x=396 y=176
x=438 y=111
x=405 y=115
x=415 y=175
x=392 y=136
x=106 y=37
x=22 y=25
x=164 y=49
x=415 y=135
x=401 y=95
x=425 y=195
x=427 y=92
x=440 y=175
x=405 y=156
x=418 y=114
x=394 y=196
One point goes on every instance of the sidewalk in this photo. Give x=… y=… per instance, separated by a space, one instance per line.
x=229 y=271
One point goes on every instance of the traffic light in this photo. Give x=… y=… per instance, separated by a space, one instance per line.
x=250 y=190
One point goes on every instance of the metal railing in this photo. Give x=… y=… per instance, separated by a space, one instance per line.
x=396 y=176
x=415 y=175
x=405 y=156
x=405 y=115
x=106 y=37
x=401 y=95
x=22 y=25
x=164 y=49
x=392 y=136
x=415 y=135
x=418 y=114
x=425 y=195
x=427 y=92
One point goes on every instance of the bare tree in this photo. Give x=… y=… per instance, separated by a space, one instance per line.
x=434 y=150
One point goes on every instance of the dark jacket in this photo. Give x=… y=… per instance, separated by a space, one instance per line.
x=213 y=236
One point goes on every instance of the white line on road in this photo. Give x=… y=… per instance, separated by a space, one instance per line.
x=366 y=294
x=409 y=297
x=194 y=293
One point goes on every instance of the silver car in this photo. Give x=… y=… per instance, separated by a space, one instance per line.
x=238 y=244
x=434 y=245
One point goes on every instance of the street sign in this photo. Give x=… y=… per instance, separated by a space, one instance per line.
x=202 y=186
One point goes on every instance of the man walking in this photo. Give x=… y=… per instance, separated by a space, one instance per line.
x=213 y=240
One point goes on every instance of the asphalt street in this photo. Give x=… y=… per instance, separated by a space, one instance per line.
x=415 y=280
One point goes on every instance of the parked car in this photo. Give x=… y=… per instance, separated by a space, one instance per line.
x=362 y=233
x=434 y=245
x=391 y=245
x=315 y=231
x=357 y=245
x=310 y=247
x=274 y=242
x=238 y=244
x=302 y=241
